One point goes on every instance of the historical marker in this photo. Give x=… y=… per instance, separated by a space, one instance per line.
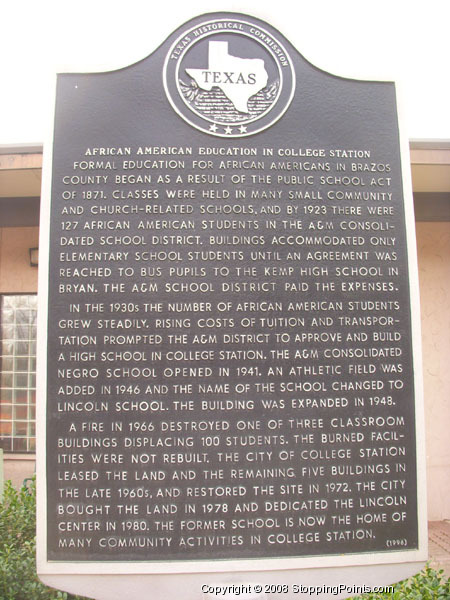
x=230 y=350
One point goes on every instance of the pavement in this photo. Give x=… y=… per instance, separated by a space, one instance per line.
x=439 y=545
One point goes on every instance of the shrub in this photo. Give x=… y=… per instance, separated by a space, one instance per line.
x=426 y=585
x=18 y=579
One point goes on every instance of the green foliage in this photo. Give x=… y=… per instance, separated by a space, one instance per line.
x=426 y=585
x=18 y=579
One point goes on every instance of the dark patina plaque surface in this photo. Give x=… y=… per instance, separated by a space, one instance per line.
x=229 y=330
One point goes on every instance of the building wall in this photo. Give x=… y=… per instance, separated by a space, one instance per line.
x=16 y=276
x=433 y=247
x=433 y=244
x=18 y=467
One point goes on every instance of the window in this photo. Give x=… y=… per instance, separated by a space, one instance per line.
x=18 y=373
